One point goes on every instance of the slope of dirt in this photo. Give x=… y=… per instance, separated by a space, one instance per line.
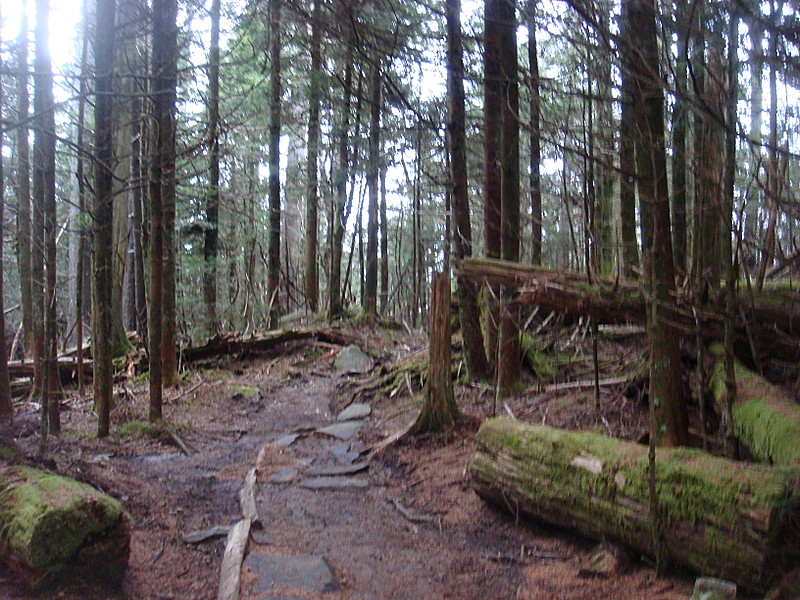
x=415 y=532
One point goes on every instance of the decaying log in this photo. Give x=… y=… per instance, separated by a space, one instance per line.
x=231 y=570
x=67 y=369
x=53 y=527
x=772 y=320
x=765 y=419
x=230 y=344
x=722 y=518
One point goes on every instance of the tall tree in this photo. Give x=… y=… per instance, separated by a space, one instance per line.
x=103 y=214
x=24 y=240
x=44 y=182
x=312 y=166
x=468 y=310
x=6 y=406
x=211 y=231
x=642 y=65
x=161 y=184
x=535 y=142
x=509 y=358
x=373 y=173
x=679 y=131
x=274 y=245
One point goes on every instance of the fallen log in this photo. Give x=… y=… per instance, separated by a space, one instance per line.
x=722 y=518
x=772 y=323
x=231 y=344
x=52 y=527
x=765 y=419
x=67 y=369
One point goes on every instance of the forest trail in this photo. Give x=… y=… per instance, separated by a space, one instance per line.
x=407 y=527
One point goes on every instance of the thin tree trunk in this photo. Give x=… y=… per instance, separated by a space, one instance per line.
x=679 y=130
x=535 y=147
x=373 y=173
x=627 y=162
x=211 y=232
x=384 y=243
x=103 y=215
x=24 y=240
x=468 y=309
x=274 y=246
x=312 y=164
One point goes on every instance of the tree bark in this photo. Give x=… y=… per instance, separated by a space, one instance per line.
x=468 y=309
x=211 y=231
x=535 y=147
x=6 y=405
x=439 y=409
x=103 y=215
x=24 y=240
x=679 y=130
x=274 y=245
x=627 y=162
x=665 y=365
x=373 y=173
x=312 y=163
x=726 y=519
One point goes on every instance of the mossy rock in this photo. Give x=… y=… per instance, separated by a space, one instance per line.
x=52 y=527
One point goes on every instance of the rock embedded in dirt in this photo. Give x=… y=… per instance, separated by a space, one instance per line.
x=606 y=560
x=354 y=412
x=342 y=455
x=710 y=588
x=342 y=431
x=284 y=475
x=352 y=359
x=309 y=574
x=336 y=470
x=287 y=440
x=334 y=483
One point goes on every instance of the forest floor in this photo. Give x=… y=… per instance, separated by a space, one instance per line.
x=412 y=529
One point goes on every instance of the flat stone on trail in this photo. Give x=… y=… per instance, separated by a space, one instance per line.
x=337 y=470
x=287 y=440
x=284 y=475
x=342 y=431
x=355 y=411
x=309 y=574
x=334 y=483
x=352 y=359
x=342 y=454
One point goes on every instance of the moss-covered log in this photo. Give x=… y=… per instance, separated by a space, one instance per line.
x=765 y=419
x=719 y=517
x=53 y=527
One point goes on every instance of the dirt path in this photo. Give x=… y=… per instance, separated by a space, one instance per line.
x=352 y=543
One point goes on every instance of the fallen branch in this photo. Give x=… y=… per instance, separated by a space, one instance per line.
x=195 y=537
x=247 y=497
x=231 y=571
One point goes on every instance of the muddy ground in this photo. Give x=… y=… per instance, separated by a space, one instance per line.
x=417 y=531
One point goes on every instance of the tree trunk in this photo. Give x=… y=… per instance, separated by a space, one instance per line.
x=103 y=215
x=6 y=406
x=726 y=519
x=439 y=409
x=373 y=173
x=468 y=309
x=312 y=163
x=535 y=148
x=274 y=245
x=54 y=528
x=24 y=240
x=162 y=170
x=627 y=162
x=509 y=353
x=384 y=243
x=651 y=161
x=45 y=194
x=211 y=231
x=492 y=139
x=679 y=130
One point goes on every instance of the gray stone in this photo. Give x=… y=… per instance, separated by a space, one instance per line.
x=284 y=475
x=334 y=483
x=260 y=537
x=606 y=560
x=342 y=431
x=709 y=588
x=309 y=574
x=342 y=454
x=287 y=440
x=352 y=359
x=355 y=411
x=336 y=470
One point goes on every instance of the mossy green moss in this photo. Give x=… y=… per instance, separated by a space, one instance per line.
x=764 y=418
x=45 y=519
x=544 y=364
x=599 y=486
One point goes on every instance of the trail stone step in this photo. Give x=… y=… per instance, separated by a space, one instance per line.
x=284 y=475
x=342 y=455
x=342 y=431
x=352 y=359
x=336 y=470
x=334 y=483
x=305 y=574
x=287 y=440
x=355 y=411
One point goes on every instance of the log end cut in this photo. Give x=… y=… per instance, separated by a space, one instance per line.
x=52 y=527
